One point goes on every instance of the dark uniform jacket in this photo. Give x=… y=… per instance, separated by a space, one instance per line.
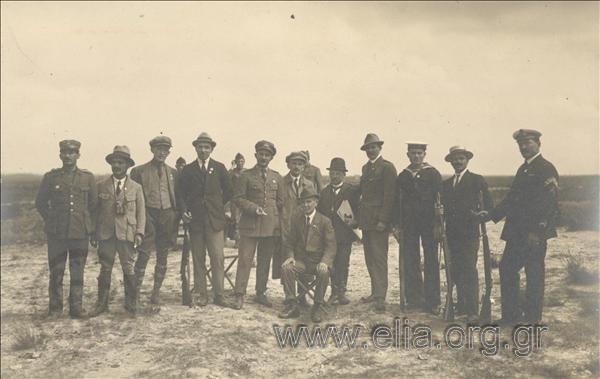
x=251 y=192
x=124 y=226
x=144 y=174
x=531 y=205
x=317 y=246
x=418 y=194
x=378 y=191
x=204 y=195
x=67 y=202
x=459 y=203
x=329 y=203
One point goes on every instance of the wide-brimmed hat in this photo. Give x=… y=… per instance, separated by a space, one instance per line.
x=456 y=150
x=296 y=155
x=204 y=137
x=308 y=192
x=369 y=139
x=121 y=151
x=338 y=164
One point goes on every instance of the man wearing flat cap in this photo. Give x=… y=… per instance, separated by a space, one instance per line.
x=461 y=196
x=378 y=190
x=158 y=181
x=66 y=201
x=308 y=250
x=531 y=212
x=312 y=173
x=235 y=174
x=205 y=188
x=418 y=187
x=120 y=225
x=259 y=195
x=336 y=193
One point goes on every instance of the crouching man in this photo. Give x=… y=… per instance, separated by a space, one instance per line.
x=309 y=250
x=120 y=223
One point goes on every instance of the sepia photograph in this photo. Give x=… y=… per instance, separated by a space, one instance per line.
x=352 y=189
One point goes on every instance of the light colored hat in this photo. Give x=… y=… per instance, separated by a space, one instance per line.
x=370 y=139
x=120 y=151
x=458 y=149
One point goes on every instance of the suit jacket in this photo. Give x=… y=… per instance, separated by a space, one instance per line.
x=251 y=192
x=460 y=201
x=291 y=201
x=67 y=202
x=313 y=174
x=378 y=191
x=204 y=195
x=316 y=247
x=329 y=203
x=142 y=175
x=124 y=226
x=416 y=195
x=531 y=205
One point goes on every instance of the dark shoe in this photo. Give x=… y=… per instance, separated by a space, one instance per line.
x=54 y=315
x=220 y=301
x=367 y=299
x=238 y=302
x=202 y=300
x=472 y=319
x=155 y=298
x=130 y=294
x=302 y=301
x=333 y=299
x=431 y=309
x=505 y=322
x=291 y=311
x=101 y=305
x=261 y=298
x=379 y=306
x=78 y=313
x=316 y=313
x=342 y=299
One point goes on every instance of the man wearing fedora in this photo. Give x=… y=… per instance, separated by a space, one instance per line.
x=259 y=195
x=461 y=195
x=531 y=212
x=158 y=181
x=66 y=201
x=378 y=190
x=309 y=250
x=332 y=197
x=418 y=187
x=205 y=188
x=120 y=224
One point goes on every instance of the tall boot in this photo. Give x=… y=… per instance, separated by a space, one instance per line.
x=103 y=296
x=159 y=276
x=139 y=279
x=76 y=309
x=129 y=281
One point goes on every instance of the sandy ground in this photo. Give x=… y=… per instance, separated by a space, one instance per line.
x=219 y=342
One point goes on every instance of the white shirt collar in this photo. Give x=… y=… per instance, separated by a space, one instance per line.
x=532 y=158
x=115 y=181
x=205 y=162
x=338 y=186
x=460 y=175
x=294 y=178
x=311 y=216
x=376 y=158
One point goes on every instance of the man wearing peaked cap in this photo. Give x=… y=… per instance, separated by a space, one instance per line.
x=205 y=188
x=377 y=188
x=159 y=184
x=309 y=249
x=120 y=225
x=344 y=222
x=66 y=201
x=265 y=145
x=312 y=173
x=417 y=189
x=234 y=174
x=531 y=212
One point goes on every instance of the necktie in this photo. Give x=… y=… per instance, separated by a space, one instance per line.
x=297 y=186
x=306 y=226
x=455 y=180
x=263 y=174
x=336 y=190
x=203 y=166
x=118 y=190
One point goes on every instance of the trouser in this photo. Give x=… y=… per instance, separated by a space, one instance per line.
x=341 y=264
x=464 y=272
x=517 y=254
x=107 y=251
x=248 y=245
x=376 y=246
x=203 y=238
x=417 y=289
x=160 y=234
x=304 y=271
x=58 y=250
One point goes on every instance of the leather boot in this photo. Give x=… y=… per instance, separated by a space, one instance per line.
x=76 y=309
x=103 y=296
x=139 y=279
x=129 y=281
x=341 y=297
x=159 y=276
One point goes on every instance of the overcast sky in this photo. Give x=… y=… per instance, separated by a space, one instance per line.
x=445 y=73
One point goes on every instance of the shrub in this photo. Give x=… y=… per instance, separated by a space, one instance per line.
x=577 y=273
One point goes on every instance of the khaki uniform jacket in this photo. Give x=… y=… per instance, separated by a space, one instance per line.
x=378 y=194
x=317 y=246
x=123 y=227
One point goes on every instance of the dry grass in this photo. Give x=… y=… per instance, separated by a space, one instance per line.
x=577 y=272
x=27 y=336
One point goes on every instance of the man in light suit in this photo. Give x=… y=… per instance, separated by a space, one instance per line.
x=205 y=188
x=309 y=250
x=120 y=224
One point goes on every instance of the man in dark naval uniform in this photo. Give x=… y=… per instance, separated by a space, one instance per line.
x=531 y=211
x=67 y=202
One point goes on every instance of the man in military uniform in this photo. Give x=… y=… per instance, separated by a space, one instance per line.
x=120 y=224
x=205 y=188
x=158 y=182
x=67 y=201
x=419 y=186
x=331 y=200
x=460 y=196
x=378 y=190
x=309 y=250
x=180 y=164
x=531 y=211
x=313 y=173
x=259 y=195
x=235 y=174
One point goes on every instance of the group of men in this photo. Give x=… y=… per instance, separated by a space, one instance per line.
x=301 y=229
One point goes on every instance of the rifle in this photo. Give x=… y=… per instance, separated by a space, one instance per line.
x=186 y=296
x=485 y=314
x=399 y=235
x=443 y=242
